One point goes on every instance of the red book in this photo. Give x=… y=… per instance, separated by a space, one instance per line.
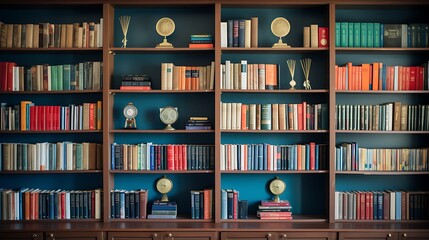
x=235 y=205
x=274 y=214
x=9 y=75
x=200 y=45
x=312 y=156
x=413 y=76
x=93 y=204
x=358 y=208
x=63 y=205
x=371 y=205
x=92 y=116
x=323 y=37
x=170 y=157
x=135 y=88
x=184 y=157
x=368 y=205
x=362 y=205
x=271 y=203
x=206 y=204
x=177 y=160
x=300 y=116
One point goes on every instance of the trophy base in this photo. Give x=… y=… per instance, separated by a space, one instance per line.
x=169 y=127
x=280 y=45
x=164 y=44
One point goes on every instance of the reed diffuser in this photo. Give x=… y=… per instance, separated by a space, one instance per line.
x=306 y=64
x=125 y=23
x=291 y=65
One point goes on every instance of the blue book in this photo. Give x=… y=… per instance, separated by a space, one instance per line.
x=261 y=154
x=383 y=77
x=192 y=205
x=122 y=204
x=317 y=158
x=374 y=205
x=230 y=199
x=249 y=156
x=381 y=35
x=197 y=204
x=380 y=206
x=51 y=205
x=398 y=205
x=230 y=27
x=241 y=34
x=265 y=157
x=238 y=157
x=223 y=201
x=152 y=157
x=307 y=157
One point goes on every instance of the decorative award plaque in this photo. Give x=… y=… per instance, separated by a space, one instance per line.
x=280 y=27
x=165 y=27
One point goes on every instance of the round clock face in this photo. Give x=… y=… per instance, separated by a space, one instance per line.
x=165 y=26
x=130 y=111
x=277 y=186
x=164 y=185
x=169 y=115
x=280 y=27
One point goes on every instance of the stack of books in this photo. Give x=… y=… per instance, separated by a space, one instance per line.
x=136 y=82
x=201 y=41
x=198 y=123
x=270 y=210
x=163 y=210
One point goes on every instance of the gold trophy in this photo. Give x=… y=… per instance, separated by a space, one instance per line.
x=280 y=27
x=165 y=27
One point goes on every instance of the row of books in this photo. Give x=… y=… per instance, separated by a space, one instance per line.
x=275 y=116
x=382 y=205
x=231 y=206
x=249 y=76
x=198 y=123
x=36 y=204
x=361 y=34
x=201 y=41
x=163 y=210
x=50 y=35
x=187 y=77
x=50 y=156
x=44 y=77
x=29 y=117
x=274 y=210
x=149 y=156
x=239 y=33
x=128 y=203
x=202 y=204
x=379 y=76
x=351 y=157
x=315 y=36
x=268 y=157
x=394 y=116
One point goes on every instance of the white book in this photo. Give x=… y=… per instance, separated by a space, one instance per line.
x=395 y=78
x=97 y=203
x=164 y=76
x=238 y=118
x=223 y=34
x=314 y=35
x=170 y=76
x=69 y=156
x=222 y=76
x=243 y=74
x=234 y=116
x=222 y=157
x=337 y=205
x=242 y=154
x=247 y=31
x=67 y=205
x=228 y=116
x=228 y=84
x=212 y=75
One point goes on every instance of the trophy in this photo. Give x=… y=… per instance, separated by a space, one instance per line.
x=306 y=64
x=130 y=113
x=280 y=27
x=125 y=23
x=165 y=27
x=291 y=65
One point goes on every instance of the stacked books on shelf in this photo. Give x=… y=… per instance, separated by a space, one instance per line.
x=198 y=123
x=202 y=204
x=163 y=210
x=136 y=82
x=381 y=205
x=52 y=35
x=128 y=203
x=360 y=34
x=350 y=157
x=187 y=77
x=274 y=210
x=239 y=33
x=269 y=157
x=379 y=76
x=231 y=206
x=201 y=41
x=38 y=204
x=315 y=36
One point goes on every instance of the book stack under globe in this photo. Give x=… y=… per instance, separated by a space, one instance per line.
x=198 y=123
x=271 y=210
x=201 y=41
x=163 y=210
x=136 y=82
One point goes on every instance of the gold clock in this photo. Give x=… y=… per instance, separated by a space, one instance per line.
x=168 y=116
x=164 y=186
x=277 y=187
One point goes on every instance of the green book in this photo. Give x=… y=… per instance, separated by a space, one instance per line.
x=265 y=116
x=66 y=76
x=54 y=78
x=377 y=35
x=337 y=34
x=350 y=34
x=370 y=41
x=356 y=40
x=78 y=156
x=344 y=34
x=60 y=75
x=364 y=35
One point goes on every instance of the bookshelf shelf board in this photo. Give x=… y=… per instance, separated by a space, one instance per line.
x=114 y=91
x=49 y=131
x=296 y=218
x=275 y=91
x=53 y=92
x=381 y=92
x=52 y=172
x=154 y=220
x=167 y=50
x=161 y=131
x=274 y=131
x=273 y=50
x=274 y=172
x=54 y=221
x=20 y=50
x=382 y=221
x=381 y=132
x=381 y=49
x=383 y=172
x=161 y=171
